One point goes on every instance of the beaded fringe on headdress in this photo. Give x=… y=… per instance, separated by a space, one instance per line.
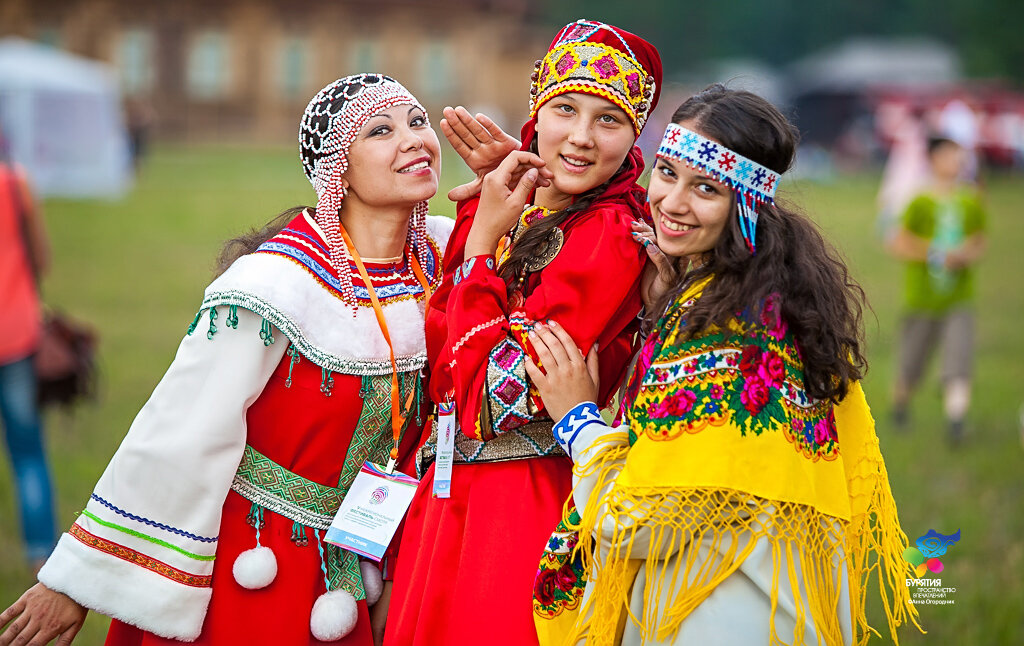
x=330 y=124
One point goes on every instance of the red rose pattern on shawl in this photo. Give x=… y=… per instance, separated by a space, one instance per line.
x=749 y=374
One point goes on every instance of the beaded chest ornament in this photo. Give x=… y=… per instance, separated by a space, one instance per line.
x=753 y=183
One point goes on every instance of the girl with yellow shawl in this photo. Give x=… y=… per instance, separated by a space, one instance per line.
x=743 y=498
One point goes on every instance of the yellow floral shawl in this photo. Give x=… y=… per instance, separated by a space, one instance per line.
x=714 y=421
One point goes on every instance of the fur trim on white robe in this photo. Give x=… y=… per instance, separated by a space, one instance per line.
x=283 y=293
x=125 y=591
x=160 y=499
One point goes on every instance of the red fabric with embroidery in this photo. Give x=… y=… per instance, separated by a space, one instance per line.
x=482 y=545
x=591 y=288
x=485 y=541
x=316 y=426
x=468 y=578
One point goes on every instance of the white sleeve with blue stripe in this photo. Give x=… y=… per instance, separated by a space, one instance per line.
x=579 y=419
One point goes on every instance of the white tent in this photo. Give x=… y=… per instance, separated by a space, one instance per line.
x=871 y=62
x=62 y=117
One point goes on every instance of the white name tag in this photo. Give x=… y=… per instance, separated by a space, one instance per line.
x=446 y=429
x=371 y=511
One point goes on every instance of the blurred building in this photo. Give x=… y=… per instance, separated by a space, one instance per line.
x=852 y=99
x=830 y=90
x=239 y=69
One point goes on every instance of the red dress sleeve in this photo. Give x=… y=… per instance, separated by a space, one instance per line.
x=438 y=350
x=591 y=288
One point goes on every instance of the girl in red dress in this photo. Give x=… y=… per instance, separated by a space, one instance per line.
x=531 y=247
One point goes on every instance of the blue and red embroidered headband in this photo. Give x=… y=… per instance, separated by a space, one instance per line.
x=753 y=183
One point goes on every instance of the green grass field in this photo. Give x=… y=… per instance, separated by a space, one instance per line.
x=136 y=269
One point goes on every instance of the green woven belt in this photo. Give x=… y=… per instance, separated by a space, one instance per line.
x=266 y=483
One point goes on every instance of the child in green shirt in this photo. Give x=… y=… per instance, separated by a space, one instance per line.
x=941 y=237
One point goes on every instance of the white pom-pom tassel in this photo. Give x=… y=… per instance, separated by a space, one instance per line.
x=373 y=582
x=255 y=568
x=334 y=615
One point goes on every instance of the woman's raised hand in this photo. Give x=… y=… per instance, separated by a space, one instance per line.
x=661 y=273
x=502 y=200
x=567 y=378
x=481 y=144
x=40 y=616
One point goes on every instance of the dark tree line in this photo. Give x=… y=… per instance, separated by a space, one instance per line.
x=986 y=33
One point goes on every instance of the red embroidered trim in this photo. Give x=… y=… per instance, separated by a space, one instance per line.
x=130 y=555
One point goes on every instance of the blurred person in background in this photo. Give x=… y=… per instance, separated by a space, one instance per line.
x=959 y=121
x=940 y=238
x=24 y=257
x=906 y=167
x=139 y=118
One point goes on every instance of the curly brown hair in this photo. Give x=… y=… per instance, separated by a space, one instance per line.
x=804 y=275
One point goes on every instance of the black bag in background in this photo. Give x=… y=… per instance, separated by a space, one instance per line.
x=65 y=361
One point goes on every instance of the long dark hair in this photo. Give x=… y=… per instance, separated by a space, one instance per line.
x=249 y=241
x=535 y=239
x=803 y=274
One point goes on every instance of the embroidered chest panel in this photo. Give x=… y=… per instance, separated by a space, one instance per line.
x=750 y=376
x=391 y=281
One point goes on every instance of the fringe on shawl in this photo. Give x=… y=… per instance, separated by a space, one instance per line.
x=729 y=523
x=876 y=543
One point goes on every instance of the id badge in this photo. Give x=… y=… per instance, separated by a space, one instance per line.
x=371 y=511
x=443 y=459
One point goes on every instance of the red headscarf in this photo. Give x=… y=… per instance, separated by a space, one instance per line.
x=579 y=60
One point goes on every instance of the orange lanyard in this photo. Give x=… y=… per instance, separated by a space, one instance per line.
x=397 y=418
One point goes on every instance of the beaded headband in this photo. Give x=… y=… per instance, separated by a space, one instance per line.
x=330 y=124
x=753 y=183
x=574 y=64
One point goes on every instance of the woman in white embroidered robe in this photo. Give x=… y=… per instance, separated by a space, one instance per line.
x=286 y=370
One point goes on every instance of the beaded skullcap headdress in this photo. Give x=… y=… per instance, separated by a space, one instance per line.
x=330 y=124
x=753 y=183
x=599 y=59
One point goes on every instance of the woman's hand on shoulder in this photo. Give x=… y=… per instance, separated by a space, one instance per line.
x=505 y=192
x=567 y=378
x=40 y=616
x=661 y=272
x=481 y=144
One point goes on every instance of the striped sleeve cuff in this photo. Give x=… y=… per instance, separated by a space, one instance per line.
x=578 y=418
